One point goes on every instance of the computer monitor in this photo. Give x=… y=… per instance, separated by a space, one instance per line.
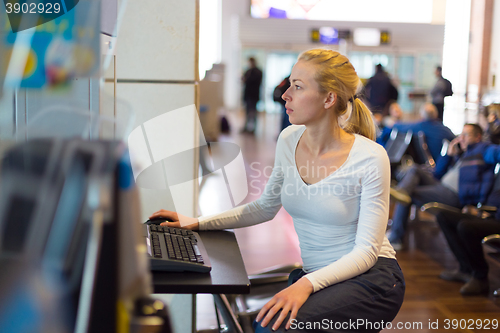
x=46 y=220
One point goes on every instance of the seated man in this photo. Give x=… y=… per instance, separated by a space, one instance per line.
x=464 y=176
x=464 y=234
x=434 y=130
x=385 y=124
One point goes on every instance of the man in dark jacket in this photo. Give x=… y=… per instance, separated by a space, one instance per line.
x=251 y=95
x=464 y=233
x=441 y=89
x=380 y=90
x=464 y=176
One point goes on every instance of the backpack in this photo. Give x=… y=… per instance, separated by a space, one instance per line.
x=280 y=90
x=449 y=90
x=225 y=127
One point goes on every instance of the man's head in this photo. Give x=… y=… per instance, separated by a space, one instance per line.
x=395 y=111
x=428 y=112
x=471 y=134
x=439 y=71
x=252 y=62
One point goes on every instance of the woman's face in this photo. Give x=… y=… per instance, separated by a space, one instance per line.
x=305 y=103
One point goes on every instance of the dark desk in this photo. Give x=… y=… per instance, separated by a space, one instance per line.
x=228 y=274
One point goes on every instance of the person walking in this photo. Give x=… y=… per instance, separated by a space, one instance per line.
x=252 y=80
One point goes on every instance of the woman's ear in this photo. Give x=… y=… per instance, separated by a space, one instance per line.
x=330 y=100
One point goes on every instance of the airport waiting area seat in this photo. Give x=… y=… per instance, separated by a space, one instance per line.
x=397 y=145
x=491 y=243
x=238 y=312
x=491 y=248
x=420 y=150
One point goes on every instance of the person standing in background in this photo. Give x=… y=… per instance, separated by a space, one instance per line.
x=380 y=90
x=252 y=80
x=441 y=89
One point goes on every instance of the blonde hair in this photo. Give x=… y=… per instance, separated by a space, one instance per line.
x=335 y=73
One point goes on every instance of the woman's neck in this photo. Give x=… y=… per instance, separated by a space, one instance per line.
x=325 y=137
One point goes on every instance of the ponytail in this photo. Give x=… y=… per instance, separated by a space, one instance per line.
x=335 y=73
x=360 y=120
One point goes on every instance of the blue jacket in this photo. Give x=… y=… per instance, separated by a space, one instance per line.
x=434 y=131
x=476 y=175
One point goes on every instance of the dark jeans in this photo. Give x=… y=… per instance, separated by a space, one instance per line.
x=251 y=115
x=371 y=299
x=440 y=110
x=464 y=235
x=419 y=183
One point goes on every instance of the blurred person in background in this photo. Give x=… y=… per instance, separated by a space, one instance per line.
x=464 y=234
x=252 y=80
x=464 y=176
x=395 y=114
x=386 y=123
x=434 y=130
x=380 y=90
x=494 y=123
x=441 y=89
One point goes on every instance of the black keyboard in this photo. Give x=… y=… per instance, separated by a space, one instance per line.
x=176 y=250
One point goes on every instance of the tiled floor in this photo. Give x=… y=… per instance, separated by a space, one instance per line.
x=428 y=300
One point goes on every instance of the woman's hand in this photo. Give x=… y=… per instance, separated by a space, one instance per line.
x=178 y=220
x=287 y=300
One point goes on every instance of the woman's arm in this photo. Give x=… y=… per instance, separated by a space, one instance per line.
x=263 y=209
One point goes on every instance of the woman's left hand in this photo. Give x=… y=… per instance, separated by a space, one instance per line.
x=287 y=300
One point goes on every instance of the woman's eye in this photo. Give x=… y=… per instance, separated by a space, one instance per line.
x=297 y=87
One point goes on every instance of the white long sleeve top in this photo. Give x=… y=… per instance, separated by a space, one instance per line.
x=340 y=221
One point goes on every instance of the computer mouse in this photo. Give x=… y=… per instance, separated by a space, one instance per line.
x=157 y=220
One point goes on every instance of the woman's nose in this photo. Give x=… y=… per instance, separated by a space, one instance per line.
x=285 y=96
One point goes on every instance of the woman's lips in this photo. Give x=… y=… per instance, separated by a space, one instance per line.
x=288 y=111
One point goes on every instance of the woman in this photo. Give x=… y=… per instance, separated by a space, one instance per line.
x=333 y=179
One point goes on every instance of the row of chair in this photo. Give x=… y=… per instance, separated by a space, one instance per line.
x=414 y=147
x=410 y=144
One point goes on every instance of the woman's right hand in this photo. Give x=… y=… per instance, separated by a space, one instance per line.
x=178 y=220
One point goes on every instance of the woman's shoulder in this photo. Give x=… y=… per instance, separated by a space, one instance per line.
x=369 y=149
x=292 y=130
x=291 y=134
